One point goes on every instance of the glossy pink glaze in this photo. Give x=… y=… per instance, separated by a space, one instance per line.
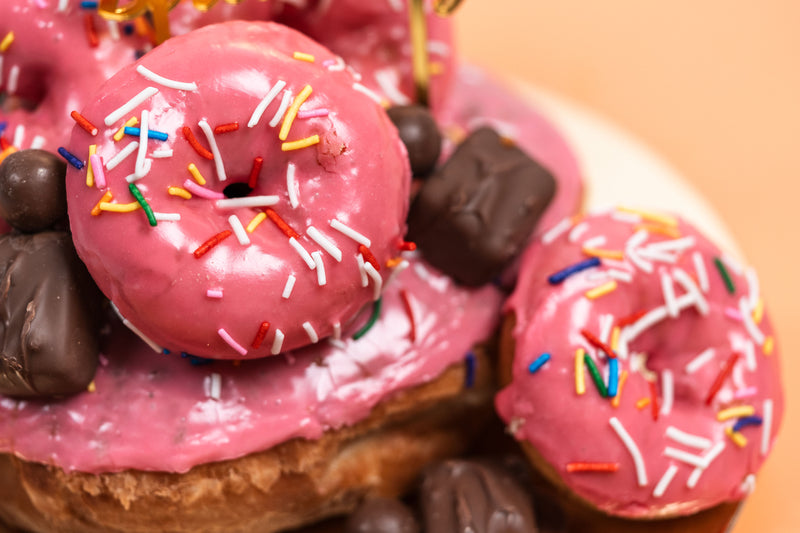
x=357 y=175
x=544 y=409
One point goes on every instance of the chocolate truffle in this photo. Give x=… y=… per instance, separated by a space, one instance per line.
x=382 y=515
x=419 y=133
x=32 y=190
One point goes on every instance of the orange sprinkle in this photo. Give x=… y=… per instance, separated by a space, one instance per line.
x=614 y=343
x=592 y=467
x=669 y=231
x=187 y=132
x=7 y=152
x=6 y=42
x=604 y=254
x=226 y=128
x=769 y=345
x=84 y=123
x=282 y=225
x=435 y=68
x=179 y=191
x=91 y=387
x=665 y=220
x=737 y=438
x=106 y=198
x=368 y=257
x=393 y=262
x=641 y=403
x=91 y=32
x=758 y=312
x=622 y=378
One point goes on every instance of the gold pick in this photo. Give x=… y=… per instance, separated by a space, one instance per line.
x=158 y=9
x=444 y=8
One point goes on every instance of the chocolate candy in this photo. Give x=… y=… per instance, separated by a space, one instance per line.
x=467 y=496
x=381 y=515
x=474 y=215
x=49 y=311
x=419 y=133
x=32 y=190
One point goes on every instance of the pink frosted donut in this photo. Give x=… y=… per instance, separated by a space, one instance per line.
x=698 y=400
x=269 y=269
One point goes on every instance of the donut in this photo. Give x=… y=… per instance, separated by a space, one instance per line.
x=328 y=176
x=640 y=368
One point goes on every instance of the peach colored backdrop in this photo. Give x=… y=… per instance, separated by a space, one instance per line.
x=713 y=86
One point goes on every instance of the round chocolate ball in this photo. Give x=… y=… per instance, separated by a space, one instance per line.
x=382 y=515
x=419 y=133
x=33 y=194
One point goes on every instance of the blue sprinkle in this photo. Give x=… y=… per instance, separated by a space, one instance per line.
x=88 y=4
x=151 y=134
x=128 y=29
x=469 y=379
x=139 y=54
x=613 y=377
x=199 y=361
x=164 y=351
x=3 y=126
x=561 y=275
x=747 y=421
x=71 y=158
x=538 y=363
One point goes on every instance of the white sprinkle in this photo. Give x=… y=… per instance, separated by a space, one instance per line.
x=557 y=231
x=700 y=361
x=666 y=479
x=388 y=81
x=753 y=290
x=120 y=156
x=606 y=323
x=619 y=275
x=285 y=102
x=578 y=231
x=19 y=136
x=650 y=319
x=439 y=47
x=38 y=142
x=673 y=245
x=638 y=461
x=63 y=5
x=212 y=143
x=668 y=290
x=161 y=154
x=631 y=252
x=349 y=232
x=748 y=486
x=692 y=291
x=142 y=167
x=747 y=318
x=336 y=65
x=291 y=185
x=303 y=253
x=624 y=216
x=287 y=289
x=750 y=356
x=264 y=103
x=710 y=456
x=700 y=269
x=320 y=267
x=684 y=457
x=13 y=79
x=325 y=243
x=277 y=344
x=376 y=279
x=130 y=178
x=402 y=265
x=687 y=439
x=166 y=82
x=239 y=230
x=733 y=264
x=156 y=348
x=216 y=387
x=766 y=427
x=312 y=335
x=594 y=242
x=130 y=105
x=247 y=201
x=362 y=270
x=167 y=217
x=396 y=5
x=371 y=94
x=667 y=391
x=113 y=29
x=337 y=330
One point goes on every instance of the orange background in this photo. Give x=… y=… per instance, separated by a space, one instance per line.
x=714 y=87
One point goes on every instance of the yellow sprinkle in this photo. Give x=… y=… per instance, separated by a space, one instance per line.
x=119 y=208
x=393 y=262
x=758 y=312
x=735 y=412
x=179 y=191
x=601 y=290
x=106 y=198
x=253 y=224
x=89 y=170
x=303 y=57
x=455 y=133
x=196 y=174
x=615 y=338
x=291 y=113
x=642 y=403
x=738 y=439
x=580 y=378
x=7 y=152
x=435 y=68
x=622 y=378
x=133 y=121
x=604 y=254
x=6 y=42
x=658 y=228
x=302 y=143
x=92 y=387
x=666 y=220
x=769 y=345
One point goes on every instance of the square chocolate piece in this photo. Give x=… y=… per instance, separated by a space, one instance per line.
x=474 y=215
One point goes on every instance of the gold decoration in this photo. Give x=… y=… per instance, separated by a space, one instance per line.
x=445 y=7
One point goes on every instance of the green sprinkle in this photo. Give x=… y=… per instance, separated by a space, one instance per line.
x=596 y=377
x=376 y=311
x=726 y=277
x=151 y=217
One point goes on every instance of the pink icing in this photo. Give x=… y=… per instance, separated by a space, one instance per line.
x=357 y=175
x=544 y=409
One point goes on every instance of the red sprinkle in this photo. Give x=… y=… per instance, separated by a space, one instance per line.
x=212 y=242
x=655 y=405
x=630 y=319
x=406 y=246
x=410 y=312
x=597 y=343
x=368 y=257
x=592 y=467
x=262 y=332
x=187 y=132
x=282 y=225
x=226 y=128
x=721 y=377
x=91 y=33
x=4 y=144
x=84 y=123
x=258 y=162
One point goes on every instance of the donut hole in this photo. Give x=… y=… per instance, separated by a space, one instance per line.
x=30 y=92
x=237 y=190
